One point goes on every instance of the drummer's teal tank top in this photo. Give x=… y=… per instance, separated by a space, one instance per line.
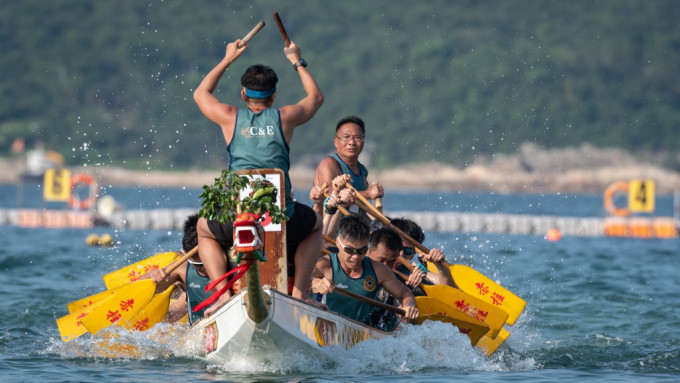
x=258 y=143
x=366 y=285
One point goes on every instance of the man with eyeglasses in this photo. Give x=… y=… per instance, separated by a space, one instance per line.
x=191 y=277
x=352 y=270
x=349 y=143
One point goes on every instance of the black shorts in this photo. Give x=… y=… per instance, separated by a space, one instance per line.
x=224 y=233
x=298 y=227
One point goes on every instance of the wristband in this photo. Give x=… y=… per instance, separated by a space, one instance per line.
x=422 y=268
x=329 y=210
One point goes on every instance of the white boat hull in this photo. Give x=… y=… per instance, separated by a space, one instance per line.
x=291 y=326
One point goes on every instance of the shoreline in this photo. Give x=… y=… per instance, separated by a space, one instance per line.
x=414 y=177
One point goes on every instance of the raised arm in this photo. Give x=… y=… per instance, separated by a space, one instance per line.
x=216 y=111
x=294 y=115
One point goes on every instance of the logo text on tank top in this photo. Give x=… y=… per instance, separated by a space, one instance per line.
x=255 y=131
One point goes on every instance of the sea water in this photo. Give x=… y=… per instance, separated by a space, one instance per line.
x=598 y=309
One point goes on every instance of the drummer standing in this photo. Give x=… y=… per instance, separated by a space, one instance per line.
x=258 y=136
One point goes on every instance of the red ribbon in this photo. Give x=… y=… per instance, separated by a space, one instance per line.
x=240 y=270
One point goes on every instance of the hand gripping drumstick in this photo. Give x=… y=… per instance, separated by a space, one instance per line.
x=250 y=34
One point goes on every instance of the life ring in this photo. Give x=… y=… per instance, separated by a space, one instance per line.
x=76 y=202
x=610 y=192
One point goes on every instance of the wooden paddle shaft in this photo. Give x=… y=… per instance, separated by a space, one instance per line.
x=370 y=301
x=177 y=264
x=378 y=201
x=250 y=34
x=328 y=239
x=284 y=35
x=410 y=267
x=366 y=205
x=340 y=207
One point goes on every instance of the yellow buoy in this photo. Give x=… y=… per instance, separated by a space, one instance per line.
x=96 y=240
x=92 y=240
x=106 y=240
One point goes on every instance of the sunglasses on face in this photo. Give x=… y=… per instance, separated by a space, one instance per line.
x=409 y=251
x=351 y=250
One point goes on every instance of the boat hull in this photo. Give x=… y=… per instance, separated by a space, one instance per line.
x=291 y=326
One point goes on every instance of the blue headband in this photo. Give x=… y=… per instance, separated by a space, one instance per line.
x=259 y=94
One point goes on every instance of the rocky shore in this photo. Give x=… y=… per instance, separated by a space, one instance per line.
x=532 y=170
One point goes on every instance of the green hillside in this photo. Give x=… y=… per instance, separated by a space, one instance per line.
x=111 y=83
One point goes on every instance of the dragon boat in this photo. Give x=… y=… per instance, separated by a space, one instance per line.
x=261 y=321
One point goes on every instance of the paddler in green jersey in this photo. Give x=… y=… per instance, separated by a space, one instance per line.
x=349 y=143
x=384 y=247
x=258 y=136
x=351 y=270
x=190 y=276
x=435 y=256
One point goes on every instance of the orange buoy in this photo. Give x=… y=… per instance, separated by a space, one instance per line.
x=553 y=235
x=84 y=204
x=610 y=192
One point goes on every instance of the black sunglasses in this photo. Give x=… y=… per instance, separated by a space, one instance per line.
x=409 y=251
x=351 y=251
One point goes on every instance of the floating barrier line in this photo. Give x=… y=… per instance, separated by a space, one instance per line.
x=173 y=219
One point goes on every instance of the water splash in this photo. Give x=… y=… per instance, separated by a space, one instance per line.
x=433 y=346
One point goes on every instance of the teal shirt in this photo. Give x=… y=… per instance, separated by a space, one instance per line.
x=258 y=143
x=366 y=285
x=196 y=294
x=358 y=180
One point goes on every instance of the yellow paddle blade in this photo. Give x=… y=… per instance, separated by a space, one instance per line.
x=432 y=309
x=474 y=307
x=84 y=302
x=132 y=272
x=477 y=284
x=489 y=345
x=70 y=326
x=152 y=313
x=127 y=301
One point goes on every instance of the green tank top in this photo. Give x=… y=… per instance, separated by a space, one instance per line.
x=366 y=285
x=196 y=294
x=258 y=143
x=358 y=180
